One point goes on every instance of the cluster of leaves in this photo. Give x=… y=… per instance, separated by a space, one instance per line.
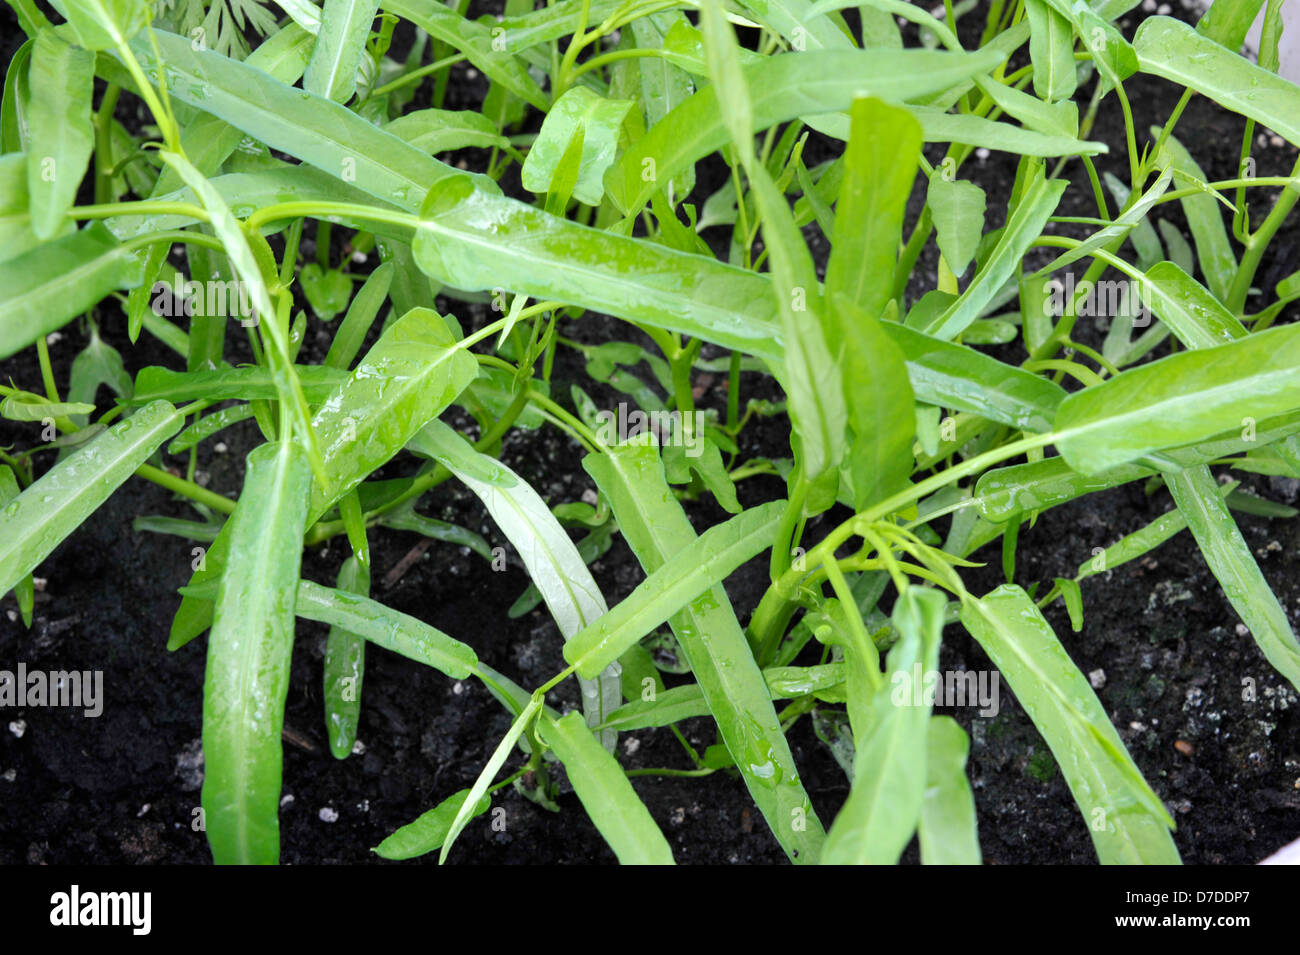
x=895 y=418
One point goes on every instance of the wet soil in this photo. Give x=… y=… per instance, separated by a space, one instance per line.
x=1213 y=728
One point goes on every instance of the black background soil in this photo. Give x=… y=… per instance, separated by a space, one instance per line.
x=123 y=788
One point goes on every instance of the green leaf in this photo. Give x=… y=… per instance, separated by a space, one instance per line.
x=1113 y=55
x=351 y=333
x=1182 y=399
x=24 y=589
x=1196 y=317
x=46 y=287
x=61 y=137
x=104 y=24
x=606 y=794
x=782 y=88
x=345 y=666
x=1126 y=820
x=245 y=384
x=1051 y=49
x=248 y=658
x=13 y=109
x=1228 y=23
x=58 y=502
x=884 y=804
x=1023 y=227
x=327 y=291
x=18 y=409
x=880 y=164
x=690 y=574
x=406 y=380
x=430 y=830
x=1173 y=50
x=553 y=562
x=474 y=241
x=1229 y=557
x=957 y=208
x=340 y=45
x=442 y=130
x=385 y=627
x=632 y=479
x=318 y=131
x=578 y=112
x=954 y=376
x=948 y=828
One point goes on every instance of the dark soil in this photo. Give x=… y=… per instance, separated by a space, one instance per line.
x=124 y=787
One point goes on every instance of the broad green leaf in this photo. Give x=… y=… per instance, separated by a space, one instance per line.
x=59 y=501
x=340 y=45
x=884 y=804
x=599 y=121
x=1183 y=399
x=880 y=402
x=410 y=376
x=954 y=376
x=318 y=131
x=43 y=289
x=1113 y=55
x=689 y=574
x=209 y=141
x=61 y=137
x=18 y=409
x=1023 y=227
x=474 y=241
x=1197 y=318
x=442 y=130
x=245 y=384
x=1060 y=118
x=1126 y=820
x=16 y=234
x=1051 y=49
x=782 y=88
x=1228 y=23
x=957 y=209
x=632 y=479
x=880 y=163
x=248 y=658
x=477 y=42
x=1173 y=50
x=1213 y=249
x=553 y=562
x=948 y=827
x=606 y=794
x=430 y=830
x=385 y=627
x=104 y=24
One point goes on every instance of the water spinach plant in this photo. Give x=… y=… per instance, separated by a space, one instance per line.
x=142 y=154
